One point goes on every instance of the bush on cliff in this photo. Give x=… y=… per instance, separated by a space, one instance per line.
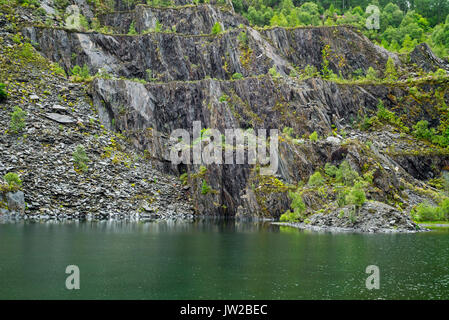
x=17 y=122
x=3 y=93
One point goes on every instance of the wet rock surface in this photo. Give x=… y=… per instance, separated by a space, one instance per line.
x=372 y=217
x=153 y=83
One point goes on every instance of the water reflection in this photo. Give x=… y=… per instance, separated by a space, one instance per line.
x=216 y=259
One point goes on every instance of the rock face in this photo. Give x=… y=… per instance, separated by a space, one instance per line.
x=193 y=20
x=423 y=56
x=16 y=201
x=372 y=217
x=173 y=56
x=245 y=78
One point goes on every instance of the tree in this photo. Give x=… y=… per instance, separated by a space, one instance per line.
x=390 y=70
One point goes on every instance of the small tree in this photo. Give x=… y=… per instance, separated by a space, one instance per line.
x=316 y=179
x=313 y=136
x=390 y=70
x=216 y=29
x=3 y=94
x=17 y=122
x=12 y=179
x=80 y=158
x=205 y=188
x=371 y=74
x=356 y=195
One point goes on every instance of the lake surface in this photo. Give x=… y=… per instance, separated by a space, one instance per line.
x=216 y=260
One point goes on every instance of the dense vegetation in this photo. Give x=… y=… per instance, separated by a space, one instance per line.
x=403 y=23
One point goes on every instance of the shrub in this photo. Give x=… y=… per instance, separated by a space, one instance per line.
x=316 y=179
x=150 y=75
x=390 y=70
x=237 y=76
x=27 y=51
x=356 y=195
x=287 y=131
x=243 y=39
x=132 y=29
x=298 y=207
x=273 y=72
x=421 y=130
x=58 y=70
x=17 y=122
x=310 y=71
x=80 y=158
x=184 y=178
x=330 y=170
x=12 y=179
x=205 y=188
x=343 y=173
x=223 y=98
x=313 y=136
x=371 y=74
x=426 y=212
x=3 y=93
x=289 y=216
x=80 y=73
x=385 y=115
x=216 y=29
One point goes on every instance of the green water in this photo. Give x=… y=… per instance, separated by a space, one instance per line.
x=217 y=260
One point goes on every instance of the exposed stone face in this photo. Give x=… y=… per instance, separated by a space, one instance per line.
x=16 y=201
x=423 y=56
x=190 y=79
x=193 y=20
x=173 y=56
x=311 y=105
x=372 y=217
x=348 y=49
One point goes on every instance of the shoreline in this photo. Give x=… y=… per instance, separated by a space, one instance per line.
x=330 y=229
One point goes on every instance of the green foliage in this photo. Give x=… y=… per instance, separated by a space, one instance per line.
x=27 y=51
x=421 y=130
x=184 y=178
x=273 y=72
x=325 y=70
x=17 y=122
x=3 y=93
x=149 y=73
x=243 y=39
x=343 y=174
x=132 y=29
x=298 y=207
x=356 y=195
x=426 y=212
x=316 y=179
x=80 y=158
x=237 y=76
x=385 y=116
x=309 y=72
x=371 y=74
x=216 y=29
x=313 y=136
x=12 y=179
x=223 y=98
x=80 y=73
x=402 y=25
x=205 y=188
x=288 y=131
x=58 y=70
x=390 y=70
